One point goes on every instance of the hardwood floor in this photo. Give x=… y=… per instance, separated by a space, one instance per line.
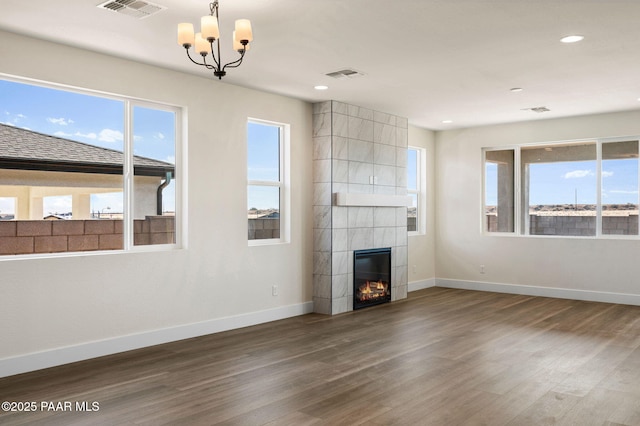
x=441 y=357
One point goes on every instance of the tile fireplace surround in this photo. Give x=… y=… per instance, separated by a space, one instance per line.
x=360 y=187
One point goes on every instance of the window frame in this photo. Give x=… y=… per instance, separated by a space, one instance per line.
x=420 y=191
x=521 y=223
x=128 y=176
x=516 y=190
x=283 y=184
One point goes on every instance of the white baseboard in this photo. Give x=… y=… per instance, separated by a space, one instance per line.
x=66 y=355
x=422 y=284
x=560 y=293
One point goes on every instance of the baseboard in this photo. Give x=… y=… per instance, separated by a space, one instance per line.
x=422 y=284
x=66 y=355
x=560 y=293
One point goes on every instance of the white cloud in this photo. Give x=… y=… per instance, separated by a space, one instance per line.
x=576 y=174
x=171 y=159
x=606 y=174
x=110 y=135
x=61 y=134
x=60 y=121
x=86 y=135
x=159 y=136
x=12 y=119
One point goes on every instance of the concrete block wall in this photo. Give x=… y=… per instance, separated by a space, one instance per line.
x=264 y=228
x=47 y=236
x=575 y=225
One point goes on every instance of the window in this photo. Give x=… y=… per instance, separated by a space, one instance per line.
x=267 y=189
x=154 y=189
x=415 y=189
x=88 y=172
x=499 y=186
x=620 y=188
x=568 y=189
x=559 y=189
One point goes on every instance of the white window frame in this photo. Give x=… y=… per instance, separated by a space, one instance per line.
x=516 y=191
x=127 y=172
x=180 y=223
x=420 y=191
x=521 y=225
x=283 y=183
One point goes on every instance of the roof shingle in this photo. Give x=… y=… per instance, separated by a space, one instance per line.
x=54 y=153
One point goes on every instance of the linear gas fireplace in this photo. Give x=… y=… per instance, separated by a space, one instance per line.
x=371 y=277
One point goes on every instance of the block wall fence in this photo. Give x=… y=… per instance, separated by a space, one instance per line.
x=58 y=236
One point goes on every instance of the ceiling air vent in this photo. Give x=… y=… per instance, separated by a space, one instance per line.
x=136 y=8
x=537 y=109
x=345 y=73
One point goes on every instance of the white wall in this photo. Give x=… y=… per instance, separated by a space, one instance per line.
x=56 y=310
x=590 y=269
x=422 y=271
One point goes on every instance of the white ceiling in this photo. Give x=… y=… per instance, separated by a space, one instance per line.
x=428 y=60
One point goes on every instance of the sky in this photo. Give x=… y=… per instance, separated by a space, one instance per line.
x=89 y=119
x=560 y=182
x=263 y=164
x=412 y=169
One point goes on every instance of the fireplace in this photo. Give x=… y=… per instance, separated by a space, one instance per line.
x=371 y=277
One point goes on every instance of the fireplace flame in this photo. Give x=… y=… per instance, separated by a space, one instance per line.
x=373 y=290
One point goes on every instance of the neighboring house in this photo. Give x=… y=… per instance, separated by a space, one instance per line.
x=34 y=165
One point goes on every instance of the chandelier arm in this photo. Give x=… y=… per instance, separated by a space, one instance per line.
x=216 y=61
x=236 y=63
x=209 y=66
x=191 y=59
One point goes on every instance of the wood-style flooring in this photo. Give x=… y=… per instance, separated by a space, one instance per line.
x=441 y=357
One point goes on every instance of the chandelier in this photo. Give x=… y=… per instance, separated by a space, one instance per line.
x=205 y=41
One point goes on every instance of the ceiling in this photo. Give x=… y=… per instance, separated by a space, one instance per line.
x=428 y=60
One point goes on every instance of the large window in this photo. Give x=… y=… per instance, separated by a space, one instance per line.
x=559 y=189
x=267 y=189
x=416 y=215
x=85 y=172
x=571 y=189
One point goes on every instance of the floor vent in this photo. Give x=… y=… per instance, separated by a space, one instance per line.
x=135 y=8
x=345 y=73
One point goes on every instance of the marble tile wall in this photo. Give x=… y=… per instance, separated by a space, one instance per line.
x=356 y=150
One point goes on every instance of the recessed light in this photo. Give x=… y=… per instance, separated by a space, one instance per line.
x=321 y=87
x=447 y=121
x=572 y=38
x=516 y=89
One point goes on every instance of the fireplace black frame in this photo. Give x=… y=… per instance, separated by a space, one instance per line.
x=359 y=255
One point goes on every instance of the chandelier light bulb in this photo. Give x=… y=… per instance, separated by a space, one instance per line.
x=209 y=28
x=237 y=46
x=202 y=45
x=243 y=30
x=185 y=35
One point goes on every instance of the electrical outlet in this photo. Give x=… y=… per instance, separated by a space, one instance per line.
x=482 y=269
x=274 y=290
